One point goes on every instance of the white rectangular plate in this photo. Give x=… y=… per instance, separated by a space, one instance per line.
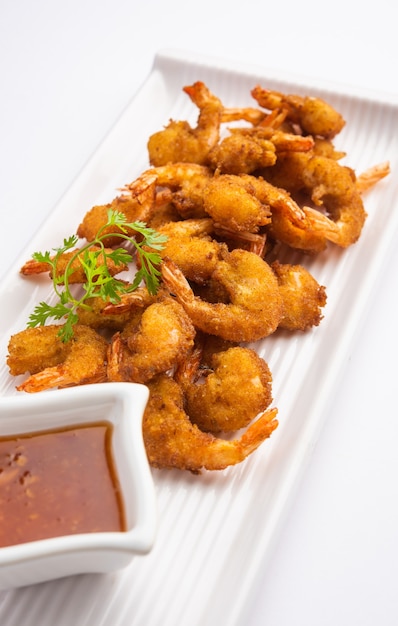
x=217 y=528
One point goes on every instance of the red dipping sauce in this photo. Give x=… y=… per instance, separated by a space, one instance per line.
x=58 y=482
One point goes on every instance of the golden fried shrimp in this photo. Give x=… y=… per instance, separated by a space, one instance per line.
x=255 y=304
x=53 y=363
x=368 y=179
x=190 y=246
x=284 y=231
x=137 y=207
x=313 y=115
x=185 y=181
x=343 y=231
x=34 y=349
x=172 y=441
x=179 y=142
x=326 y=184
x=333 y=186
x=303 y=298
x=245 y=203
x=246 y=150
x=77 y=274
x=242 y=154
x=153 y=343
x=234 y=391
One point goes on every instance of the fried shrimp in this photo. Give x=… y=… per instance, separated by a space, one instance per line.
x=313 y=115
x=324 y=183
x=53 y=363
x=333 y=186
x=303 y=298
x=77 y=273
x=246 y=150
x=152 y=343
x=190 y=246
x=240 y=153
x=304 y=239
x=179 y=142
x=172 y=441
x=185 y=182
x=135 y=208
x=255 y=305
x=235 y=389
x=245 y=203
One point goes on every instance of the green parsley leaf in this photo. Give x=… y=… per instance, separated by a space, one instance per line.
x=99 y=282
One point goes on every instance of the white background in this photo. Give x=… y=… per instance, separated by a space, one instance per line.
x=67 y=70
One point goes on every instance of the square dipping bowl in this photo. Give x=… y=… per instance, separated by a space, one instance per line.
x=122 y=406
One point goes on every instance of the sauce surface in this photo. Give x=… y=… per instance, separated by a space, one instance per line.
x=58 y=482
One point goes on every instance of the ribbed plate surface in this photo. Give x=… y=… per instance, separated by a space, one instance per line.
x=215 y=529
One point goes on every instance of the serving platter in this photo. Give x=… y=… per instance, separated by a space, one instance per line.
x=214 y=526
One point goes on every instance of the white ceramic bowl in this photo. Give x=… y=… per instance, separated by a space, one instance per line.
x=122 y=405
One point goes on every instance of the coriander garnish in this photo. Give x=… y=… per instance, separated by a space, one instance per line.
x=99 y=281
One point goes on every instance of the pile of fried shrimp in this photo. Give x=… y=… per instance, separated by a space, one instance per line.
x=227 y=198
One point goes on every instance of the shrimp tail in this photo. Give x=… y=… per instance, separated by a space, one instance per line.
x=260 y=430
x=368 y=179
x=56 y=377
